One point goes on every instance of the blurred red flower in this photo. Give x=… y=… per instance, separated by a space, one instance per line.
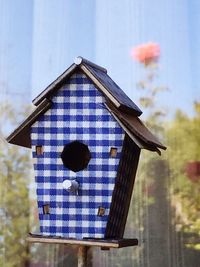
x=146 y=53
x=192 y=170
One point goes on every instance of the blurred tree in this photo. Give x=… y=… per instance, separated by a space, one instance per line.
x=184 y=157
x=181 y=183
x=14 y=196
x=152 y=193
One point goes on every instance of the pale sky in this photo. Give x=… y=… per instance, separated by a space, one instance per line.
x=39 y=40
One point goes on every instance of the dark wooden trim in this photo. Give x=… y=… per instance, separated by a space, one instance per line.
x=105 y=243
x=47 y=93
x=21 y=135
x=134 y=125
x=129 y=110
x=131 y=186
x=138 y=142
x=100 y=86
x=123 y=189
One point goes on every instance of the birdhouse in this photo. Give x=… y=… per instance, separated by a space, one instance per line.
x=86 y=137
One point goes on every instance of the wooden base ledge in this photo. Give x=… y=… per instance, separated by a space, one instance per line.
x=103 y=243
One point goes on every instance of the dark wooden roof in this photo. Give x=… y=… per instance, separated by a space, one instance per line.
x=102 y=81
x=135 y=127
x=126 y=103
x=119 y=105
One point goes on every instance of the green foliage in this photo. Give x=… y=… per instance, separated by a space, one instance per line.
x=184 y=140
x=184 y=147
x=14 y=197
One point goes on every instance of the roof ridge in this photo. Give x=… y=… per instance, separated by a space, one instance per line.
x=101 y=80
x=80 y=60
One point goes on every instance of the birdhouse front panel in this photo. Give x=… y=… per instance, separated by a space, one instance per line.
x=76 y=147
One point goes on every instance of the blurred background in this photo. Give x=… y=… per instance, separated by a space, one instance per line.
x=151 y=49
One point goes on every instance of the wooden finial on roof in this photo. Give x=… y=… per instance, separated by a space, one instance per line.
x=78 y=60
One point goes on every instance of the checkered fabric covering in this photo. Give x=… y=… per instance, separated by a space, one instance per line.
x=77 y=113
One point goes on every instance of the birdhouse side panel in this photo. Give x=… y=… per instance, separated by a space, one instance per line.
x=76 y=140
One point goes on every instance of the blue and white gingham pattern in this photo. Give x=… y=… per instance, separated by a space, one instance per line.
x=77 y=113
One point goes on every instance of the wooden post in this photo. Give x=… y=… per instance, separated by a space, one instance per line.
x=82 y=256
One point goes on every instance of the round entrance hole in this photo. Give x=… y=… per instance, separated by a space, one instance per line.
x=76 y=156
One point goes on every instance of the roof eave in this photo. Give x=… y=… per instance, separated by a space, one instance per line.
x=142 y=141
x=21 y=135
x=47 y=92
